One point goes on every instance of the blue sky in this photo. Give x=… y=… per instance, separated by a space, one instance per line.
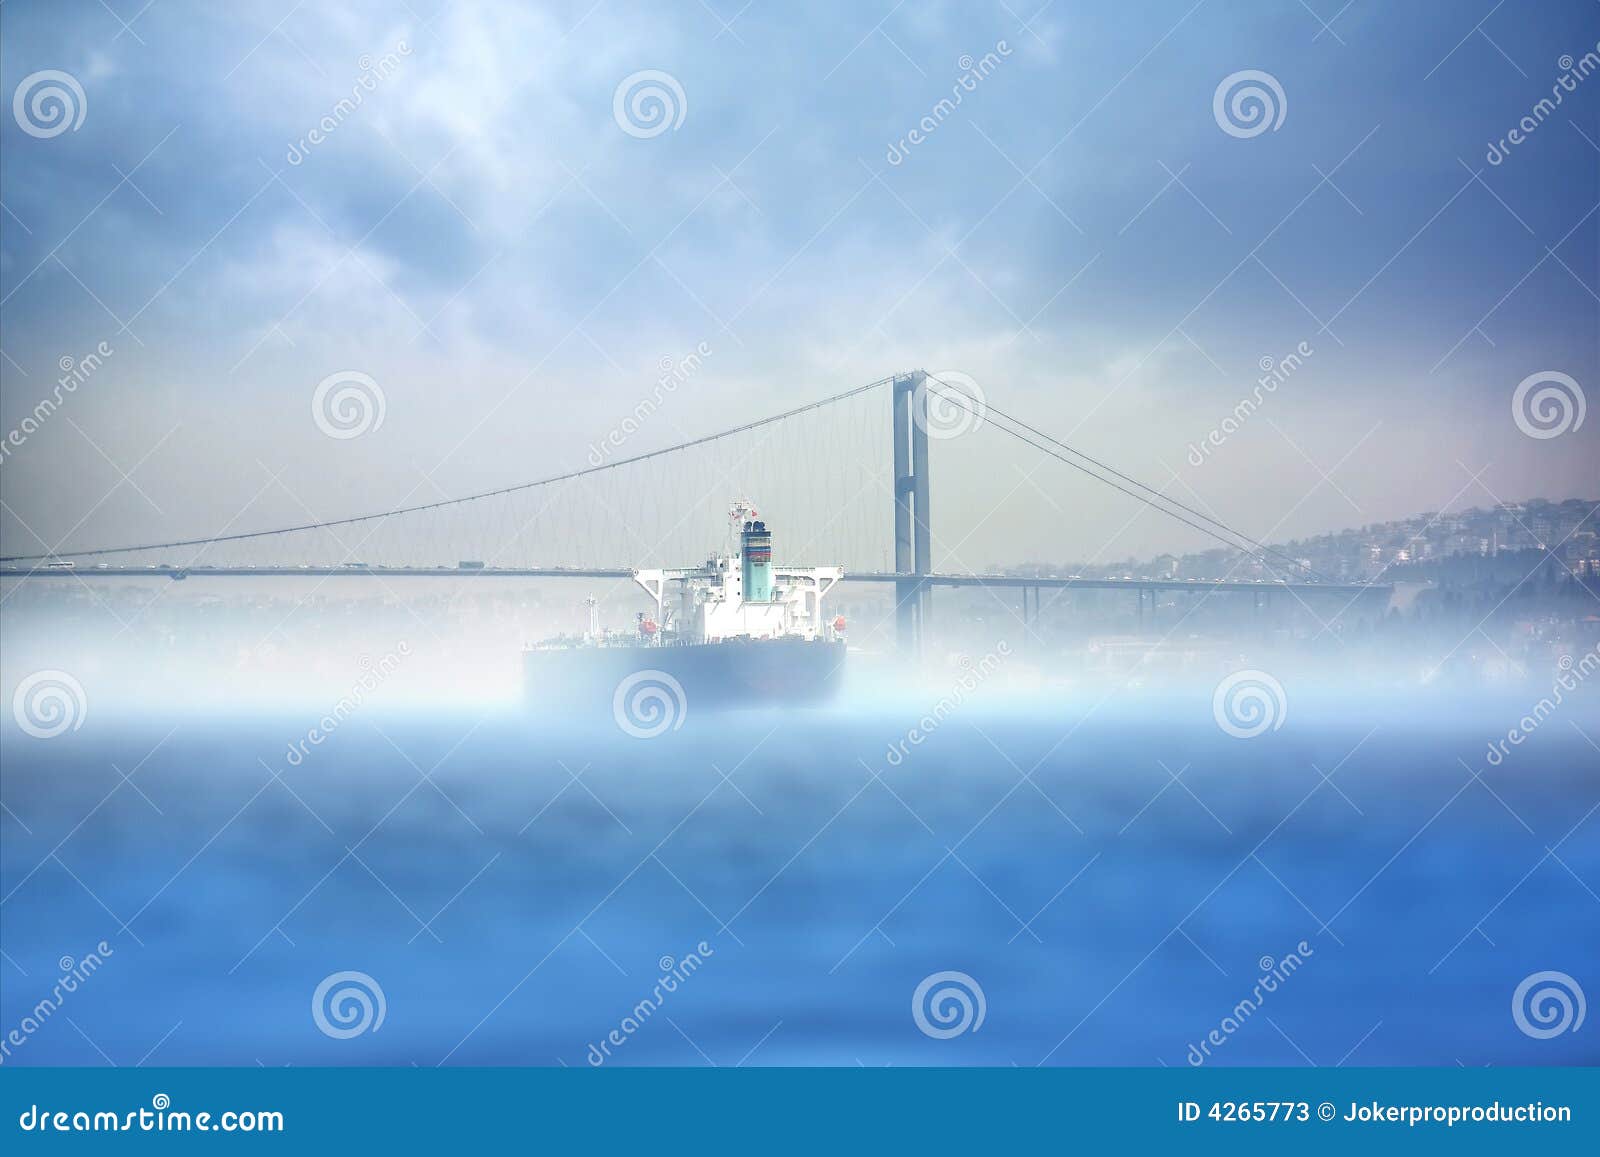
x=1080 y=236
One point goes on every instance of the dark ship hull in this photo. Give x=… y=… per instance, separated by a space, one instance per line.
x=633 y=683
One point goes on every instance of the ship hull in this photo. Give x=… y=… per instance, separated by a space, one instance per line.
x=737 y=673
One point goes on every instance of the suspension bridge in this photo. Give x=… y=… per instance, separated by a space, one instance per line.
x=818 y=469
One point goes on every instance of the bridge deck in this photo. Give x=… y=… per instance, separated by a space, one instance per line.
x=489 y=572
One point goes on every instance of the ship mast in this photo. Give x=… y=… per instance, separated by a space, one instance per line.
x=741 y=511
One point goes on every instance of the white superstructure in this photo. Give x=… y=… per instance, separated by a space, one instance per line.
x=741 y=596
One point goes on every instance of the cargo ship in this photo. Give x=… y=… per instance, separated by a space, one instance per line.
x=735 y=631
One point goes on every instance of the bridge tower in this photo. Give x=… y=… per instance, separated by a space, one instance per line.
x=913 y=550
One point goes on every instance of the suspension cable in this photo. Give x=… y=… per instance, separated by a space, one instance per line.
x=567 y=477
x=1255 y=549
x=1033 y=436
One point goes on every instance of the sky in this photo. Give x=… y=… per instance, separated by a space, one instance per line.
x=508 y=251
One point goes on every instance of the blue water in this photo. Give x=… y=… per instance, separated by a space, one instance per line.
x=513 y=916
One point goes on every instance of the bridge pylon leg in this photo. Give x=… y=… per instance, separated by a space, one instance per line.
x=912 y=527
x=922 y=519
x=904 y=591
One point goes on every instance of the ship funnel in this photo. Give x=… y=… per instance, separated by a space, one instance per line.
x=755 y=552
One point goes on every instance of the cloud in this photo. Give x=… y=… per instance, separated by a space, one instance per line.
x=478 y=230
